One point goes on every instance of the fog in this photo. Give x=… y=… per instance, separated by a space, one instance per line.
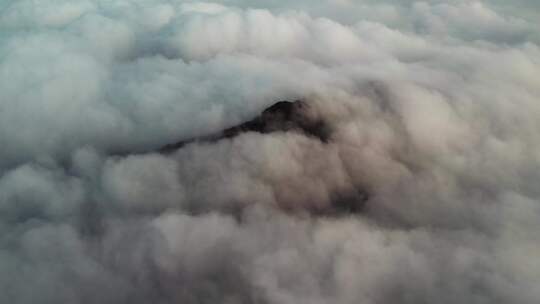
x=434 y=114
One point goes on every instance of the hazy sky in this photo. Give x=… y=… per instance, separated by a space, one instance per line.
x=434 y=108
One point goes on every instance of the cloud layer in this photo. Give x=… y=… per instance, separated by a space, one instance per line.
x=433 y=108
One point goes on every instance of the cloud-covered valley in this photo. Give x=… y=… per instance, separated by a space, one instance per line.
x=434 y=112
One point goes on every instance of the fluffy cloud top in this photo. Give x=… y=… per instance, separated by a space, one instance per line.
x=434 y=112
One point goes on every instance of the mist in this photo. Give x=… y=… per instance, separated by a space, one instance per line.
x=434 y=117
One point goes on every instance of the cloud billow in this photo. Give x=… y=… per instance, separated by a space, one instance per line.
x=433 y=111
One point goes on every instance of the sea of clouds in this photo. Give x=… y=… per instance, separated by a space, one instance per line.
x=434 y=108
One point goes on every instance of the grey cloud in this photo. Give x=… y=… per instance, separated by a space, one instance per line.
x=433 y=110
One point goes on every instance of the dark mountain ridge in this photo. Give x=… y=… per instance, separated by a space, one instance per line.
x=283 y=116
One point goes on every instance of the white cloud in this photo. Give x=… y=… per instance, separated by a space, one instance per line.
x=433 y=109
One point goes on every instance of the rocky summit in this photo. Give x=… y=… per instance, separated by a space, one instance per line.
x=283 y=116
